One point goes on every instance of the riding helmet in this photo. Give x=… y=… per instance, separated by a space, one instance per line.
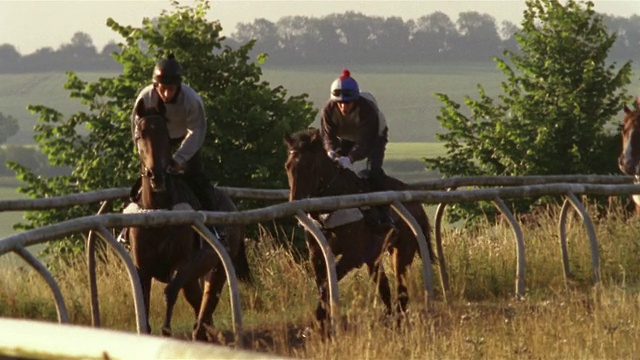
x=168 y=71
x=345 y=88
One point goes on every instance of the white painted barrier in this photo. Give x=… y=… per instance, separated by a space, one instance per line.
x=28 y=339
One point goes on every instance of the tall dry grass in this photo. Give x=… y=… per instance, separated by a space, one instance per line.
x=556 y=319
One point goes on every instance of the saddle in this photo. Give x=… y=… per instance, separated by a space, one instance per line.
x=186 y=194
x=187 y=200
x=340 y=217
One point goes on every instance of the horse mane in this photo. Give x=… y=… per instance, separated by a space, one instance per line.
x=142 y=110
x=305 y=140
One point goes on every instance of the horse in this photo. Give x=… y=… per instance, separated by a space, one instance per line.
x=629 y=159
x=173 y=255
x=311 y=173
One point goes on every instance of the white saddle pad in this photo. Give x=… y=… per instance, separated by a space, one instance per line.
x=340 y=217
x=133 y=208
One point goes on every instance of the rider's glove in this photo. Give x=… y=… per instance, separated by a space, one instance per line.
x=344 y=161
x=175 y=168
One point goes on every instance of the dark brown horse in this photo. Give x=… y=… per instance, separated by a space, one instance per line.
x=311 y=173
x=173 y=255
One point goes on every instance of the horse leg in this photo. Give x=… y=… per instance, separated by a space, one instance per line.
x=402 y=257
x=145 y=284
x=343 y=266
x=191 y=269
x=170 y=298
x=377 y=274
x=373 y=260
x=193 y=294
x=211 y=296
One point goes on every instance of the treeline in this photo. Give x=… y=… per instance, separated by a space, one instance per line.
x=337 y=39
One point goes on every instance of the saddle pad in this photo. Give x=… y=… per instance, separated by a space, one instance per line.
x=134 y=208
x=340 y=217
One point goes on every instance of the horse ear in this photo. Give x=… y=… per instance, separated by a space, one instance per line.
x=638 y=102
x=288 y=139
x=315 y=135
x=626 y=109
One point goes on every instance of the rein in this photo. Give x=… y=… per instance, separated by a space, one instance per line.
x=328 y=185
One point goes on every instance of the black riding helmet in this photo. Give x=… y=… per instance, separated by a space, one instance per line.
x=168 y=71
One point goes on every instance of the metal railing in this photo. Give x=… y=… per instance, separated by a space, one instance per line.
x=512 y=187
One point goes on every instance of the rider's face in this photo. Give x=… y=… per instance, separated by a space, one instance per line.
x=345 y=107
x=167 y=91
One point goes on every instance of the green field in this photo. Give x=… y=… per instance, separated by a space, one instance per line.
x=405 y=94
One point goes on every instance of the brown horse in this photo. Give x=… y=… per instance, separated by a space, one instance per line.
x=629 y=159
x=311 y=173
x=173 y=255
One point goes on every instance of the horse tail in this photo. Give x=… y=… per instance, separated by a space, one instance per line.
x=241 y=264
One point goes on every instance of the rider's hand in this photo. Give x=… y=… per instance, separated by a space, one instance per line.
x=175 y=168
x=344 y=161
x=332 y=154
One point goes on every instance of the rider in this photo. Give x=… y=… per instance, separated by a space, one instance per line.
x=187 y=125
x=353 y=129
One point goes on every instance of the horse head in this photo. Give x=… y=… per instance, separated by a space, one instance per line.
x=309 y=168
x=629 y=159
x=152 y=141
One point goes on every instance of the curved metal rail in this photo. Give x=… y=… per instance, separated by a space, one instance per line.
x=103 y=222
x=330 y=261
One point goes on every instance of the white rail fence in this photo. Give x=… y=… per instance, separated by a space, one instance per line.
x=429 y=192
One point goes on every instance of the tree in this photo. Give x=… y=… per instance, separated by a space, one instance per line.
x=478 y=36
x=9 y=58
x=8 y=127
x=433 y=35
x=246 y=117
x=555 y=115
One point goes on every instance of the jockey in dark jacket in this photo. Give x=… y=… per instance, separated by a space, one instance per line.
x=353 y=129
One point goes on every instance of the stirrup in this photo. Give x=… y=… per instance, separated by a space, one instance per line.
x=221 y=234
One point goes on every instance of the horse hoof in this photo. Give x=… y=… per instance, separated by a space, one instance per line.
x=199 y=334
x=166 y=332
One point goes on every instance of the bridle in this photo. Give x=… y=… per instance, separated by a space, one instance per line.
x=145 y=171
x=322 y=189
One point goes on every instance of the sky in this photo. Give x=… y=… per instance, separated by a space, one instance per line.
x=33 y=24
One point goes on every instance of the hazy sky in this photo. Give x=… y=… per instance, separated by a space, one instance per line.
x=30 y=25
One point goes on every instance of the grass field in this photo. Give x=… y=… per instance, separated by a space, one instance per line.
x=7 y=220
x=480 y=319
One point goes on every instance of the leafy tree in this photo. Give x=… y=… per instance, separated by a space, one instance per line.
x=246 y=117
x=555 y=115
